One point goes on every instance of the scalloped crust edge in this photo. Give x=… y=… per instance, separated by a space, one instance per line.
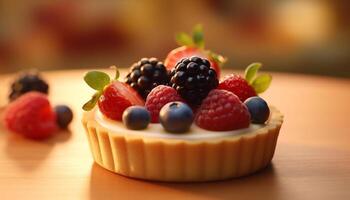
x=175 y=160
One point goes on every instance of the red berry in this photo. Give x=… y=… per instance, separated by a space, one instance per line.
x=186 y=52
x=222 y=110
x=116 y=97
x=158 y=97
x=237 y=85
x=31 y=115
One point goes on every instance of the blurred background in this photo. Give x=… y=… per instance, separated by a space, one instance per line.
x=303 y=36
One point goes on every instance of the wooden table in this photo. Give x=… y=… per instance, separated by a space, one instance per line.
x=312 y=159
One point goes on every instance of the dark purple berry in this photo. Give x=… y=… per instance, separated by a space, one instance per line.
x=193 y=78
x=136 y=117
x=64 y=116
x=258 y=109
x=176 y=117
x=146 y=75
x=27 y=82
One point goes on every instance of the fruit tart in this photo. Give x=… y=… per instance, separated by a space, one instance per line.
x=181 y=123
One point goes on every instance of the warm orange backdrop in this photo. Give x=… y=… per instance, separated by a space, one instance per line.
x=296 y=36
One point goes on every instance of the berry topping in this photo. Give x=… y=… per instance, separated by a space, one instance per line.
x=248 y=86
x=193 y=46
x=258 y=108
x=136 y=117
x=176 y=117
x=237 y=85
x=193 y=78
x=31 y=115
x=222 y=110
x=146 y=75
x=28 y=82
x=64 y=116
x=113 y=97
x=116 y=98
x=158 y=97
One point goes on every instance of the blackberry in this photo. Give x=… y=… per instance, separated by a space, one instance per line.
x=30 y=81
x=146 y=75
x=193 y=78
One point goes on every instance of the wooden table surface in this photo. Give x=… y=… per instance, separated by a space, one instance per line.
x=312 y=159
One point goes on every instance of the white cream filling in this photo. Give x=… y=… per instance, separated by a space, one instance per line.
x=157 y=130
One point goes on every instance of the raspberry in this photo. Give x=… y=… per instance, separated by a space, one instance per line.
x=116 y=97
x=31 y=115
x=222 y=110
x=237 y=85
x=158 y=97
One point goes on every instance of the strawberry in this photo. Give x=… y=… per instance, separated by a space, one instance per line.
x=113 y=97
x=248 y=86
x=193 y=46
x=222 y=110
x=186 y=52
x=158 y=97
x=31 y=115
x=117 y=97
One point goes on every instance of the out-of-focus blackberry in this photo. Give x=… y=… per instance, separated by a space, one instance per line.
x=147 y=74
x=193 y=78
x=26 y=82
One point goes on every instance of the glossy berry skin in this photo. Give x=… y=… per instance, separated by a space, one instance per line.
x=258 y=108
x=64 y=116
x=147 y=74
x=136 y=118
x=28 y=82
x=117 y=97
x=222 y=111
x=158 y=97
x=31 y=115
x=237 y=85
x=179 y=53
x=176 y=117
x=193 y=78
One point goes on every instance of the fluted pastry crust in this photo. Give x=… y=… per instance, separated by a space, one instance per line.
x=180 y=160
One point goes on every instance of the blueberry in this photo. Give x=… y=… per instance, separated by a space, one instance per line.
x=64 y=115
x=176 y=117
x=136 y=117
x=258 y=109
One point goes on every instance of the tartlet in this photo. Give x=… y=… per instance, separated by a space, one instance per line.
x=181 y=158
x=203 y=128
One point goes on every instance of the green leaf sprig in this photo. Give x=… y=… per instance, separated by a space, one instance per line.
x=97 y=80
x=196 y=39
x=261 y=82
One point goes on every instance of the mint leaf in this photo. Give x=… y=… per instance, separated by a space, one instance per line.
x=97 y=80
x=92 y=102
x=216 y=57
x=251 y=71
x=197 y=36
x=183 y=39
x=117 y=74
x=261 y=83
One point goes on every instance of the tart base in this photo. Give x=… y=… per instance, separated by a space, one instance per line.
x=176 y=160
